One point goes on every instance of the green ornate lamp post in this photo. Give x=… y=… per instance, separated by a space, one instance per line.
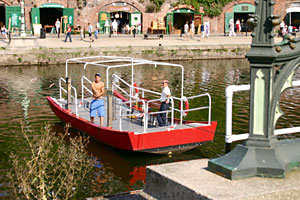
x=272 y=66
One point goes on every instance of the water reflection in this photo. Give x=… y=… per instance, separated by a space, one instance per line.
x=22 y=97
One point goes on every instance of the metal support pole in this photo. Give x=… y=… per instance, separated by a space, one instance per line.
x=69 y=99
x=109 y=108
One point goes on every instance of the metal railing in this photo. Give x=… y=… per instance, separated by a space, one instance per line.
x=160 y=112
x=146 y=103
x=83 y=87
x=64 y=90
x=182 y=111
x=131 y=114
x=229 y=137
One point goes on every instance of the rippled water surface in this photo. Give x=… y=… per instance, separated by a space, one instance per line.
x=22 y=97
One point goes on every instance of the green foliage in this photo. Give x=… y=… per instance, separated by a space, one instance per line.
x=53 y=170
x=211 y=7
x=156 y=5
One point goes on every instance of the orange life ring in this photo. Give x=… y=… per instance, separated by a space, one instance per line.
x=187 y=106
x=136 y=90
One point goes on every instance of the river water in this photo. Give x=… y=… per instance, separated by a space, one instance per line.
x=22 y=97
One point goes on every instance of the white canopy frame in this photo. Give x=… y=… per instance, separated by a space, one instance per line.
x=105 y=60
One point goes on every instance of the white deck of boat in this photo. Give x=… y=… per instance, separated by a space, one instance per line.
x=134 y=125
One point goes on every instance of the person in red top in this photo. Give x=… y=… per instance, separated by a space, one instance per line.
x=69 y=29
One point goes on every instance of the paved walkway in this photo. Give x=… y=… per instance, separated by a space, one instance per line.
x=104 y=41
x=126 y=41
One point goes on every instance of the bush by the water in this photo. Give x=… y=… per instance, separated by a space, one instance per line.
x=54 y=169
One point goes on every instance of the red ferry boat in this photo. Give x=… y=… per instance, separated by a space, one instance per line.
x=131 y=118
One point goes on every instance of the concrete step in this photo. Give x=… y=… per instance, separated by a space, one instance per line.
x=191 y=180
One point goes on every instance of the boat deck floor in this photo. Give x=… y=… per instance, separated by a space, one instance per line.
x=131 y=125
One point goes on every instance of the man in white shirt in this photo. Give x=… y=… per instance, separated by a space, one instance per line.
x=57 y=26
x=186 y=30
x=115 y=27
x=192 y=29
x=165 y=103
x=90 y=31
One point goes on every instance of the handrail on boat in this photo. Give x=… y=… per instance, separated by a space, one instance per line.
x=159 y=112
x=181 y=111
x=128 y=115
x=83 y=78
x=64 y=90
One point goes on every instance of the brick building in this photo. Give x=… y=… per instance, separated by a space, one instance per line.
x=80 y=12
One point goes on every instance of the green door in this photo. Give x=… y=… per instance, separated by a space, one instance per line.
x=35 y=15
x=169 y=18
x=228 y=17
x=70 y=13
x=136 y=18
x=103 y=16
x=14 y=13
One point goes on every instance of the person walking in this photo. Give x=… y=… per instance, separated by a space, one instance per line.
x=165 y=103
x=192 y=29
x=238 y=25
x=114 y=27
x=186 y=30
x=231 y=28
x=57 y=26
x=96 y=33
x=81 y=33
x=284 y=30
x=280 y=32
x=90 y=31
x=207 y=29
x=69 y=30
x=202 y=28
x=290 y=29
x=4 y=32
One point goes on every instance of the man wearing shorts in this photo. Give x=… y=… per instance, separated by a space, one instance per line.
x=97 y=104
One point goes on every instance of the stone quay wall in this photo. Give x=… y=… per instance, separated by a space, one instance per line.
x=50 y=56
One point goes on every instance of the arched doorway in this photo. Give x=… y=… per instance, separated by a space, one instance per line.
x=181 y=14
x=47 y=13
x=126 y=15
x=292 y=17
x=241 y=12
x=3 y=6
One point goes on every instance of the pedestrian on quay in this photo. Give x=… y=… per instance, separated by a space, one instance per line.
x=202 y=28
x=284 y=30
x=280 y=32
x=90 y=31
x=81 y=33
x=231 y=28
x=114 y=27
x=69 y=30
x=207 y=29
x=4 y=32
x=165 y=103
x=96 y=32
x=238 y=25
x=57 y=26
x=186 y=30
x=290 y=29
x=192 y=31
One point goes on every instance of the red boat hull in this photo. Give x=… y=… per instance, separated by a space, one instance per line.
x=154 y=142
